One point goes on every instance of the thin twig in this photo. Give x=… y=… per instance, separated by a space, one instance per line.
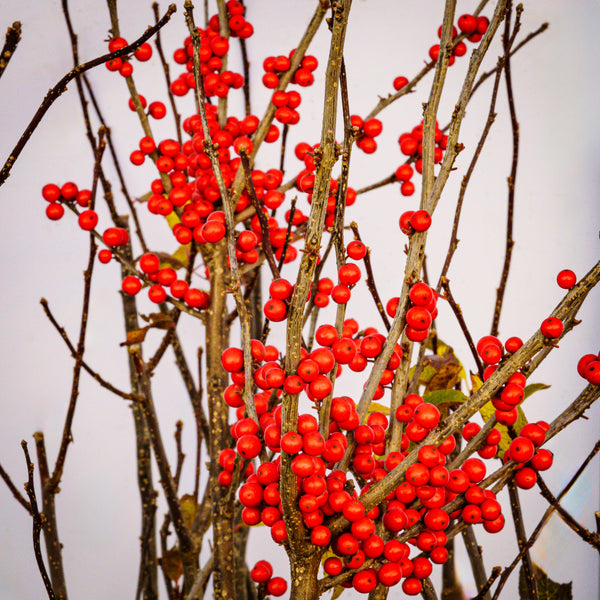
x=371 y=280
x=431 y=108
x=262 y=218
x=61 y=86
x=506 y=40
x=476 y=559
x=463 y=326
x=467 y=176
x=13 y=37
x=103 y=382
x=228 y=208
x=166 y=71
x=515 y=506
x=14 y=491
x=67 y=436
x=37 y=524
x=588 y=536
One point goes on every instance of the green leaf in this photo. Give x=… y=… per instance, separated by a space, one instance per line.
x=547 y=589
x=532 y=388
x=445 y=397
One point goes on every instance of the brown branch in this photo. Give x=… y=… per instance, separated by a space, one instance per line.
x=37 y=524
x=371 y=280
x=484 y=592
x=166 y=71
x=14 y=491
x=310 y=255
x=113 y=153
x=12 y=38
x=467 y=176
x=228 y=208
x=453 y=147
x=431 y=108
x=49 y=524
x=386 y=181
x=588 y=536
x=543 y=521
x=337 y=237
x=246 y=66
x=476 y=560
x=506 y=41
x=463 y=326
x=186 y=544
x=262 y=218
x=61 y=86
x=515 y=506
x=180 y=453
x=141 y=387
x=67 y=436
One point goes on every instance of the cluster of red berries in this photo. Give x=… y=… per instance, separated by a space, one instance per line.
x=213 y=47
x=262 y=573
x=472 y=27
x=524 y=449
x=305 y=181
x=122 y=64
x=411 y=145
x=67 y=193
x=422 y=312
x=287 y=103
x=160 y=278
x=588 y=367
x=238 y=26
x=367 y=132
x=324 y=492
x=275 y=65
x=414 y=220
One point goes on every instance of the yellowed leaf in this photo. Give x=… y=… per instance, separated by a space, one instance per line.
x=135 y=336
x=488 y=410
x=189 y=507
x=172 y=565
x=376 y=407
x=172 y=219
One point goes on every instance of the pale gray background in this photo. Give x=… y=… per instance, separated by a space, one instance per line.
x=557 y=221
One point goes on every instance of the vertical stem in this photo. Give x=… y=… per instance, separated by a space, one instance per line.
x=49 y=523
x=148 y=579
x=476 y=559
x=506 y=40
x=515 y=506
x=327 y=158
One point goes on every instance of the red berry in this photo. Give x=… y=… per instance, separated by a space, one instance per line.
x=467 y=24
x=131 y=285
x=55 y=211
x=51 y=192
x=88 y=219
x=400 y=82
x=551 y=327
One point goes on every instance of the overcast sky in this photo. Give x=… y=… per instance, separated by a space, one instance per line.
x=557 y=219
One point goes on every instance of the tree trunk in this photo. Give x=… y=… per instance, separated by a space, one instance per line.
x=304 y=570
